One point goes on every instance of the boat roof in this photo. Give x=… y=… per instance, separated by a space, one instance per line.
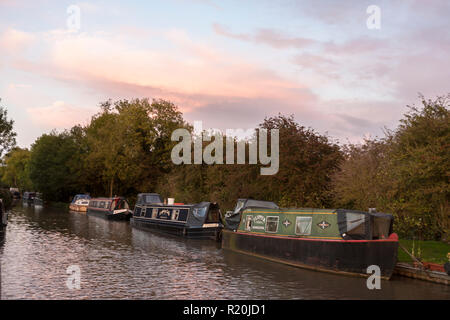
x=107 y=199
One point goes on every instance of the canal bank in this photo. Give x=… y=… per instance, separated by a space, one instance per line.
x=120 y=262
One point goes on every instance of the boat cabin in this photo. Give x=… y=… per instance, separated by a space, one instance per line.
x=116 y=208
x=80 y=202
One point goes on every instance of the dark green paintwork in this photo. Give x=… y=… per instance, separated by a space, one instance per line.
x=259 y=222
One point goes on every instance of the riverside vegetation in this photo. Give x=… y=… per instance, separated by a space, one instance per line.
x=126 y=147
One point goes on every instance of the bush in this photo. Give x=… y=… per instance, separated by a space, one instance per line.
x=5 y=195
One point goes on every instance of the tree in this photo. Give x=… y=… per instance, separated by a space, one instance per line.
x=7 y=135
x=129 y=143
x=16 y=170
x=50 y=166
x=419 y=163
x=405 y=173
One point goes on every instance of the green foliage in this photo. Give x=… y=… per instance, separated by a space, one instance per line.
x=7 y=135
x=126 y=150
x=16 y=170
x=307 y=161
x=6 y=197
x=50 y=166
x=405 y=173
x=430 y=251
x=129 y=144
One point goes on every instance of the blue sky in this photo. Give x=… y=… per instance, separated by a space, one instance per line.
x=226 y=63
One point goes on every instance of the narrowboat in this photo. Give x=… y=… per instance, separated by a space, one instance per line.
x=28 y=197
x=15 y=193
x=80 y=203
x=331 y=240
x=116 y=208
x=197 y=221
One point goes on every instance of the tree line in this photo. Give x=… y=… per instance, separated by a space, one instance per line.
x=126 y=148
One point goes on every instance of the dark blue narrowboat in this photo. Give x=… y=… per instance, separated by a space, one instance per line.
x=198 y=221
x=116 y=208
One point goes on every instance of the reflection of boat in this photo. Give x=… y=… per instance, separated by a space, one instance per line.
x=110 y=208
x=37 y=201
x=201 y=221
x=340 y=241
x=28 y=197
x=80 y=203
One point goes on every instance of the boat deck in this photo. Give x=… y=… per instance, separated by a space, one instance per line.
x=407 y=270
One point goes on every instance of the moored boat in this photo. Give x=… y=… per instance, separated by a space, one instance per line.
x=37 y=201
x=28 y=197
x=80 y=203
x=199 y=221
x=15 y=194
x=116 y=208
x=339 y=241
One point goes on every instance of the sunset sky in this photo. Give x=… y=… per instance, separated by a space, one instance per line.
x=226 y=63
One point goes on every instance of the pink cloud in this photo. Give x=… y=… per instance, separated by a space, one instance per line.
x=14 y=41
x=60 y=115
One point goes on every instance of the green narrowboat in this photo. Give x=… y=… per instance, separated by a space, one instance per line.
x=332 y=240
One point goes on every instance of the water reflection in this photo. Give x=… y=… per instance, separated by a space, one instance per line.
x=121 y=262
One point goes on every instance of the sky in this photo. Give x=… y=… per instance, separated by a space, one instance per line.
x=226 y=63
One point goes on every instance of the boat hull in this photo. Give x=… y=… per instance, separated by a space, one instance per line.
x=78 y=208
x=212 y=232
x=122 y=216
x=351 y=257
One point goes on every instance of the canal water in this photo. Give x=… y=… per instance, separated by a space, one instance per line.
x=117 y=261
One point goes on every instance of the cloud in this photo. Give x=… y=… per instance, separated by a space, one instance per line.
x=193 y=71
x=14 y=41
x=268 y=37
x=59 y=115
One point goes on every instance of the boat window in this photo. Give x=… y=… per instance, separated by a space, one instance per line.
x=248 y=222
x=102 y=204
x=239 y=205
x=137 y=211
x=94 y=204
x=199 y=212
x=303 y=225
x=356 y=224
x=272 y=224
x=151 y=198
x=154 y=213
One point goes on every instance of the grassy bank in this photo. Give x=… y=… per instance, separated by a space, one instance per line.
x=430 y=251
